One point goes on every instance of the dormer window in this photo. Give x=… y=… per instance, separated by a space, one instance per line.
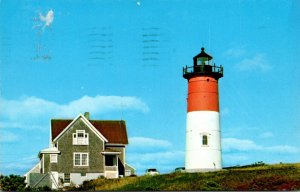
x=80 y=138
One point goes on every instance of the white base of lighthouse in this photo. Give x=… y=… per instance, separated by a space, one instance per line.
x=203 y=142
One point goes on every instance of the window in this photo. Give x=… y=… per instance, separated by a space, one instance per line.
x=53 y=158
x=81 y=159
x=84 y=158
x=204 y=140
x=80 y=138
x=77 y=159
x=67 y=178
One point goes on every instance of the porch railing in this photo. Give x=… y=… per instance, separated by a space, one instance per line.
x=111 y=168
x=214 y=70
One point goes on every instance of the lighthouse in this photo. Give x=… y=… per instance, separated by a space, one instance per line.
x=203 y=138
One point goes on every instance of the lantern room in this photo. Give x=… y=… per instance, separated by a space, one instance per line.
x=203 y=66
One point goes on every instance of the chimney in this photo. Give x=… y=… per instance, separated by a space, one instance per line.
x=87 y=115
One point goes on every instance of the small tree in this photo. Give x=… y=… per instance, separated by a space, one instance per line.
x=12 y=183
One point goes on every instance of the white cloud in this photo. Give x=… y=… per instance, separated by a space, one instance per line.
x=145 y=142
x=229 y=144
x=100 y=104
x=244 y=151
x=233 y=144
x=283 y=149
x=258 y=63
x=48 y=19
x=33 y=112
x=26 y=107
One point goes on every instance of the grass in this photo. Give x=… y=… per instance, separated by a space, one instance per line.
x=265 y=177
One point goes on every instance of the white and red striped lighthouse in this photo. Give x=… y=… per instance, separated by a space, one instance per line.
x=203 y=138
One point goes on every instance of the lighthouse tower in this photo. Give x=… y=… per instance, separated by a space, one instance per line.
x=203 y=139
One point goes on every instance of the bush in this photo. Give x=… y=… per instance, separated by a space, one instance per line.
x=44 y=188
x=12 y=183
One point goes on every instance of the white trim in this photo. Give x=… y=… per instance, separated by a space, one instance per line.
x=80 y=116
x=74 y=141
x=52 y=150
x=43 y=163
x=54 y=179
x=80 y=159
x=87 y=138
x=110 y=153
x=124 y=154
x=115 y=145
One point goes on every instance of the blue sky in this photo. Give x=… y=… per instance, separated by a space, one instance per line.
x=124 y=59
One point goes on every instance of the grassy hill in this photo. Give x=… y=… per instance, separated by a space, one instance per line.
x=265 y=177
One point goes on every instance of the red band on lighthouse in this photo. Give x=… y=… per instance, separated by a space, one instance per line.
x=203 y=94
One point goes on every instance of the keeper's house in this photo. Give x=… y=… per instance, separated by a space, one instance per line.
x=81 y=149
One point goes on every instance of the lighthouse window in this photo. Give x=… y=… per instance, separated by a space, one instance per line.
x=204 y=140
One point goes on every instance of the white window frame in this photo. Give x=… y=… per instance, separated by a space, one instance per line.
x=53 y=158
x=80 y=160
x=83 y=141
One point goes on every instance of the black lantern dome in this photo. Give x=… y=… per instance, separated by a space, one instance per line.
x=203 y=67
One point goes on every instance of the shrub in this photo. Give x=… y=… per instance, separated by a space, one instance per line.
x=12 y=183
x=44 y=188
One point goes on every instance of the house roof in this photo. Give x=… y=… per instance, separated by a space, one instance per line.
x=35 y=169
x=113 y=131
x=51 y=150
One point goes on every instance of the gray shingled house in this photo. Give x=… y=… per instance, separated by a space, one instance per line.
x=81 y=149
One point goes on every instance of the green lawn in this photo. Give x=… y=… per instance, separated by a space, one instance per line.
x=266 y=177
